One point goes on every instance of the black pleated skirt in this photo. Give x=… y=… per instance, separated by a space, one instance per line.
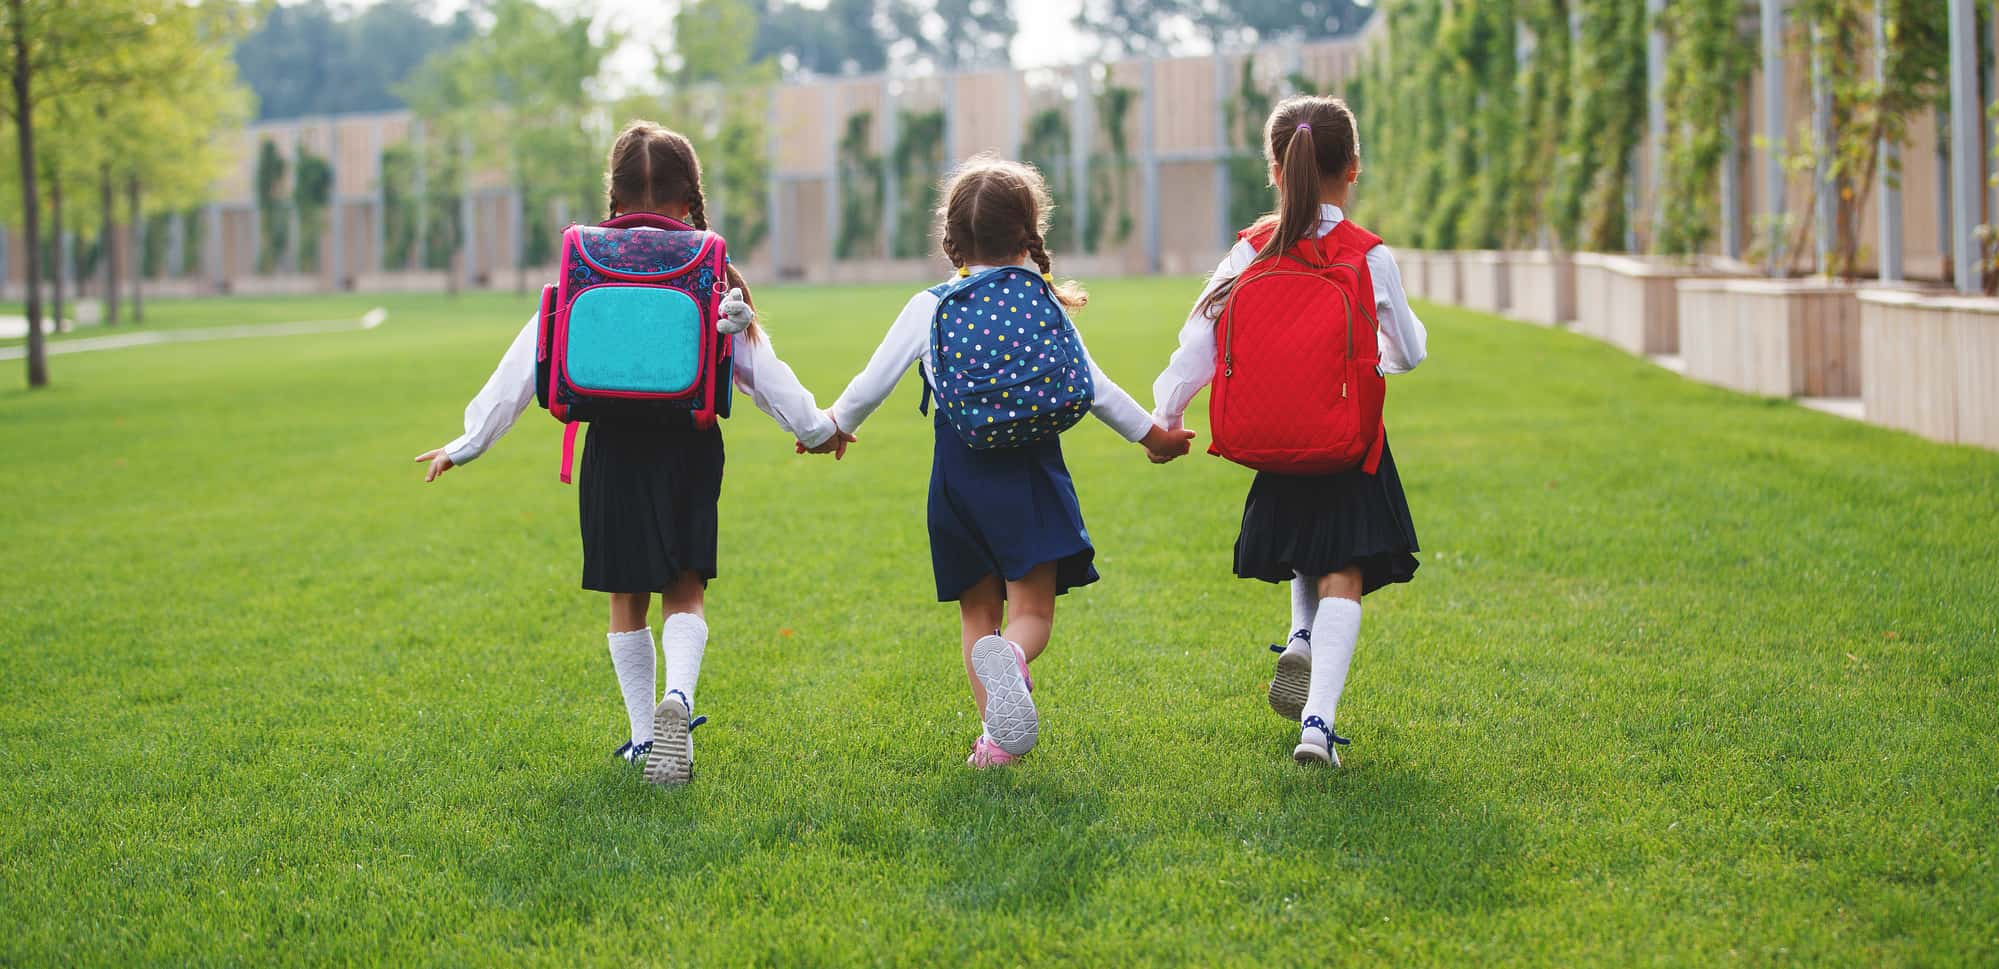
x=647 y=505
x=1319 y=525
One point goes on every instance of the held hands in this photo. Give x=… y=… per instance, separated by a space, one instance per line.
x=835 y=445
x=1162 y=445
x=440 y=462
x=736 y=314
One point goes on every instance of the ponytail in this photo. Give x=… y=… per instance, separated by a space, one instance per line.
x=1298 y=196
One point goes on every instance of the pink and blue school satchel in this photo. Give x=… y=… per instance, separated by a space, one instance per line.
x=628 y=331
x=1007 y=366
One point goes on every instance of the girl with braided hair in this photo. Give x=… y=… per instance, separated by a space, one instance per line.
x=647 y=503
x=1006 y=531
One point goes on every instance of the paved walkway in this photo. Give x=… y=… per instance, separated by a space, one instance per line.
x=139 y=338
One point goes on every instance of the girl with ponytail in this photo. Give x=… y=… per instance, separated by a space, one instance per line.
x=1333 y=537
x=1006 y=531
x=647 y=502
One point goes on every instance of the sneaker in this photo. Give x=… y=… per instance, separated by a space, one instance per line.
x=670 y=759
x=1011 y=720
x=1293 y=679
x=986 y=754
x=1317 y=749
x=633 y=752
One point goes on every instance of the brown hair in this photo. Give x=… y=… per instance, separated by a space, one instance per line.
x=652 y=167
x=1308 y=138
x=993 y=210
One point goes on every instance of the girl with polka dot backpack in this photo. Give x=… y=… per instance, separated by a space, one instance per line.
x=1010 y=373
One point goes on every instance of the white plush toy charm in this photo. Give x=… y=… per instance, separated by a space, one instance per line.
x=736 y=314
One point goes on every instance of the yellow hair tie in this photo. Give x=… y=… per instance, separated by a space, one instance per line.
x=964 y=271
x=1048 y=278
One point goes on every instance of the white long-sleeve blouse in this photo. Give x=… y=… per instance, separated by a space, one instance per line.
x=908 y=341
x=758 y=372
x=1402 y=337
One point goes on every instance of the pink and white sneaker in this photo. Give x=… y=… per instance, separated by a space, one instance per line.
x=1012 y=723
x=986 y=754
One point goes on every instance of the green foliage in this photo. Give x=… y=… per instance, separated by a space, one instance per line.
x=1709 y=57
x=401 y=207
x=1110 y=170
x=305 y=709
x=312 y=189
x=1048 y=146
x=1250 y=192
x=861 y=179
x=1605 y=126
x=916 y=163
x=1151 y=26
x=1545 y=79
x=840 y=37
x=312 y=58
x=273 y=208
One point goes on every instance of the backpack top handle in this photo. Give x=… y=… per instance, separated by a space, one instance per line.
x=646 y=220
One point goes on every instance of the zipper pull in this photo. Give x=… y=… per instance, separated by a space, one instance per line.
x=1343 y=390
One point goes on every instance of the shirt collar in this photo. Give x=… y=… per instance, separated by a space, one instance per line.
x=1331 y=214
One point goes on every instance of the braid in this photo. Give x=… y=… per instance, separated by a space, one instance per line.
x=951 y=250
x=1071 y=293
x=1038 y=250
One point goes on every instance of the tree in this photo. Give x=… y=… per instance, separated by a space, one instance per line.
x=955 y=34
x=1161 y=26
x=846 y=37
x=516 y=90
x=312 y=58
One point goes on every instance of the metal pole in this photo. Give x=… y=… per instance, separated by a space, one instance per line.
x=211 y=247
x=1825 y=197
x=1731 y=191
x=1014 y=121
x=891 y=189
x=835 y=207
x=1773 y=127
x=291 y=207
x=1965 y=144
x=336 y=218
x=381 y=220
x=176 y=248
x=1149 y=164
x=468 y=216
x=1080 y=122
x=1889 y=187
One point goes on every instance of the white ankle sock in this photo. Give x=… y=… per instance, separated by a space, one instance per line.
x=683 y=639
x=1304 y=607
x=1335 y=631
x=632 y=659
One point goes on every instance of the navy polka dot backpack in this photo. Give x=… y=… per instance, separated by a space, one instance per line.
x=1008 y=368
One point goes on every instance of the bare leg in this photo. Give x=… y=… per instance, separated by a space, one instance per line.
x=628 y=610
x=1344 y=584
x=686 y=593
x=980 y=611
x=1030 y=608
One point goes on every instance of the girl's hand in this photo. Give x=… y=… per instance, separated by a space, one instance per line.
x=835 y=445
x=1162 y=445
x=736 y=314
x=440 y=462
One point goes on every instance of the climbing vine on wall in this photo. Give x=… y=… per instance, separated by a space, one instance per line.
x=1248 y=172
x=917 y=162
x=1544 y=105
x=1604 y=125
x=860 y=169
x=273 y=215
x=312 y=190
x=401 y=208
x=1709 y=57
x=1048 y=147
x=1110 y=170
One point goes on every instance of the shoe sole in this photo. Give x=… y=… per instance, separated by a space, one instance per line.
x=1313 y=755
x=1291 y=684
x=1011 y=720
x=671 y=760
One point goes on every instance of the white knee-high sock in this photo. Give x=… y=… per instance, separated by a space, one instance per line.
x=632 y=659
x=683 y=639
x=1335 y=631
x=1304 y=607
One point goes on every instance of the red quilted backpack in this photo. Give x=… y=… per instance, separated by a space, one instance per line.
x=1297 y=389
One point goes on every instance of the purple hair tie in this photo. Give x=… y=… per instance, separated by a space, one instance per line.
x=1304 y=127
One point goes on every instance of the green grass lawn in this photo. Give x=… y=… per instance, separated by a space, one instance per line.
x=181 y=314
x=1687 y=677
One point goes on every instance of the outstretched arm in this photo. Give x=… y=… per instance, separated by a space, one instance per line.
x=775 y=389
x=494 y=409
x=907 y=338
x=1193 y=363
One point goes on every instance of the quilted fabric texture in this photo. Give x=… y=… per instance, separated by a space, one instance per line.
x=1009 y=367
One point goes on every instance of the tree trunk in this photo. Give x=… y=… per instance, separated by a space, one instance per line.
x=138 y=258
x=24 y=128
x=55 y=233
x=107 y=241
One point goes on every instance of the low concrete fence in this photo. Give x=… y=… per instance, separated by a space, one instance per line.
x=1541 y=287
x=1631 y=302
x=1778 y=337
x=1933 y=365
x=1483 y=278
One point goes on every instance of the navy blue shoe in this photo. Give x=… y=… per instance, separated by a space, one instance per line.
x=633 y=753
x=1319 y=749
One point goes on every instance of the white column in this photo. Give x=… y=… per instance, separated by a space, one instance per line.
x=1081 y=139
x=211 y=247
x=835 y=214
x=291 y=208
x=951 y=153
x=1966 y=147
x=891 y=186
x=1773 y=123
x=336 y=221
x=176 y=247
x=518 y=233
x=468 y=215
x=774 y=225
x=1148 y=104
x=420 y=198
x=381 y=215
x=1014 y=121
x=1731 y=191
x=1889 y=183
x=1225 y=150
x=1825 y=197
x=1655 y=113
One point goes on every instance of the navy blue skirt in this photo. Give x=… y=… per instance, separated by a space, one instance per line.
x=1329 y=523
x=1002 y=512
